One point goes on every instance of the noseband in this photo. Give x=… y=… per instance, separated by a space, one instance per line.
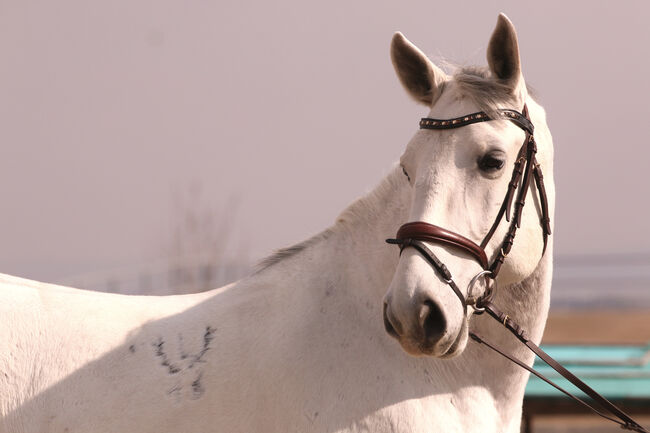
x=415 y=234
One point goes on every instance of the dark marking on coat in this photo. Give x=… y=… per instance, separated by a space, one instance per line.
x=159 y=350
x=208 y=336
x=181 y=349
x=197 y=387
x=132 y=348
x=181 y=366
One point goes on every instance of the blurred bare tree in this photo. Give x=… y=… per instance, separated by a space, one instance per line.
x=199 y=252
x=201 y=256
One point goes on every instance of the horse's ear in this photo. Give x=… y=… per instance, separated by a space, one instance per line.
x=503 y=53
x=419 y=76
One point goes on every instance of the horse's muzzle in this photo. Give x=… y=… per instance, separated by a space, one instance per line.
x=424 y=334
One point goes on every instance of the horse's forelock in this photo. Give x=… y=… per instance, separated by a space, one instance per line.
x=476 y=83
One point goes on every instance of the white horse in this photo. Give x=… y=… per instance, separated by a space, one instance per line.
x=300 y=345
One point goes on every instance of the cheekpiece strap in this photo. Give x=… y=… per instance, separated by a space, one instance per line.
x=514 y=116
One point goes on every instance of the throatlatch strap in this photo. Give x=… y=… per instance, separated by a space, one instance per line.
x=530 y=148
x=545 y=221
x=517 y=171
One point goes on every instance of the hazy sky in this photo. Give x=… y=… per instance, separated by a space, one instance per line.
x=110 y=111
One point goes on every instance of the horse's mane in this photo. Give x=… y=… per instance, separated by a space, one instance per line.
x=284 y=253
x=364 y=208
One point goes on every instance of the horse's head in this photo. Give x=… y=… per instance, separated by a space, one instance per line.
x=458 y=178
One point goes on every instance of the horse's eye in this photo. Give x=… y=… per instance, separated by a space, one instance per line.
x=406 y=174
x=492 y=161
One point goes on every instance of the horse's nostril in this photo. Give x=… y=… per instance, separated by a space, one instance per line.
x=390 y=329
x=432 y=321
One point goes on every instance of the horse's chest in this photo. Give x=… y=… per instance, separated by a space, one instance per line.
x=410 y=416
x=403 y=411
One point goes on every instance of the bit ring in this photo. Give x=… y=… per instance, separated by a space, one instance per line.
x=472 y=300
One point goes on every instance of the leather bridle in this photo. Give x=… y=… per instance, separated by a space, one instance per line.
x=415 y=234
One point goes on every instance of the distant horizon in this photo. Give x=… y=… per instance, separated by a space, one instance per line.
x=578 y=282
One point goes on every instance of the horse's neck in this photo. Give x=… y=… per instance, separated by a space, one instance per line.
x=368 y=265
x=353 y=261
x=361 y=232
x=348 y=267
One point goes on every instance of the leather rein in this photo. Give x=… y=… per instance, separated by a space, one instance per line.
x=526 y=168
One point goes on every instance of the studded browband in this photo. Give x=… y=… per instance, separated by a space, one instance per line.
x=512 y=115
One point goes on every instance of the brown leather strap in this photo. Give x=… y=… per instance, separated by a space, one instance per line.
x=434 y=261
x=517 y=171
x=428 y=232
x=625 y=422
x=530 y=148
